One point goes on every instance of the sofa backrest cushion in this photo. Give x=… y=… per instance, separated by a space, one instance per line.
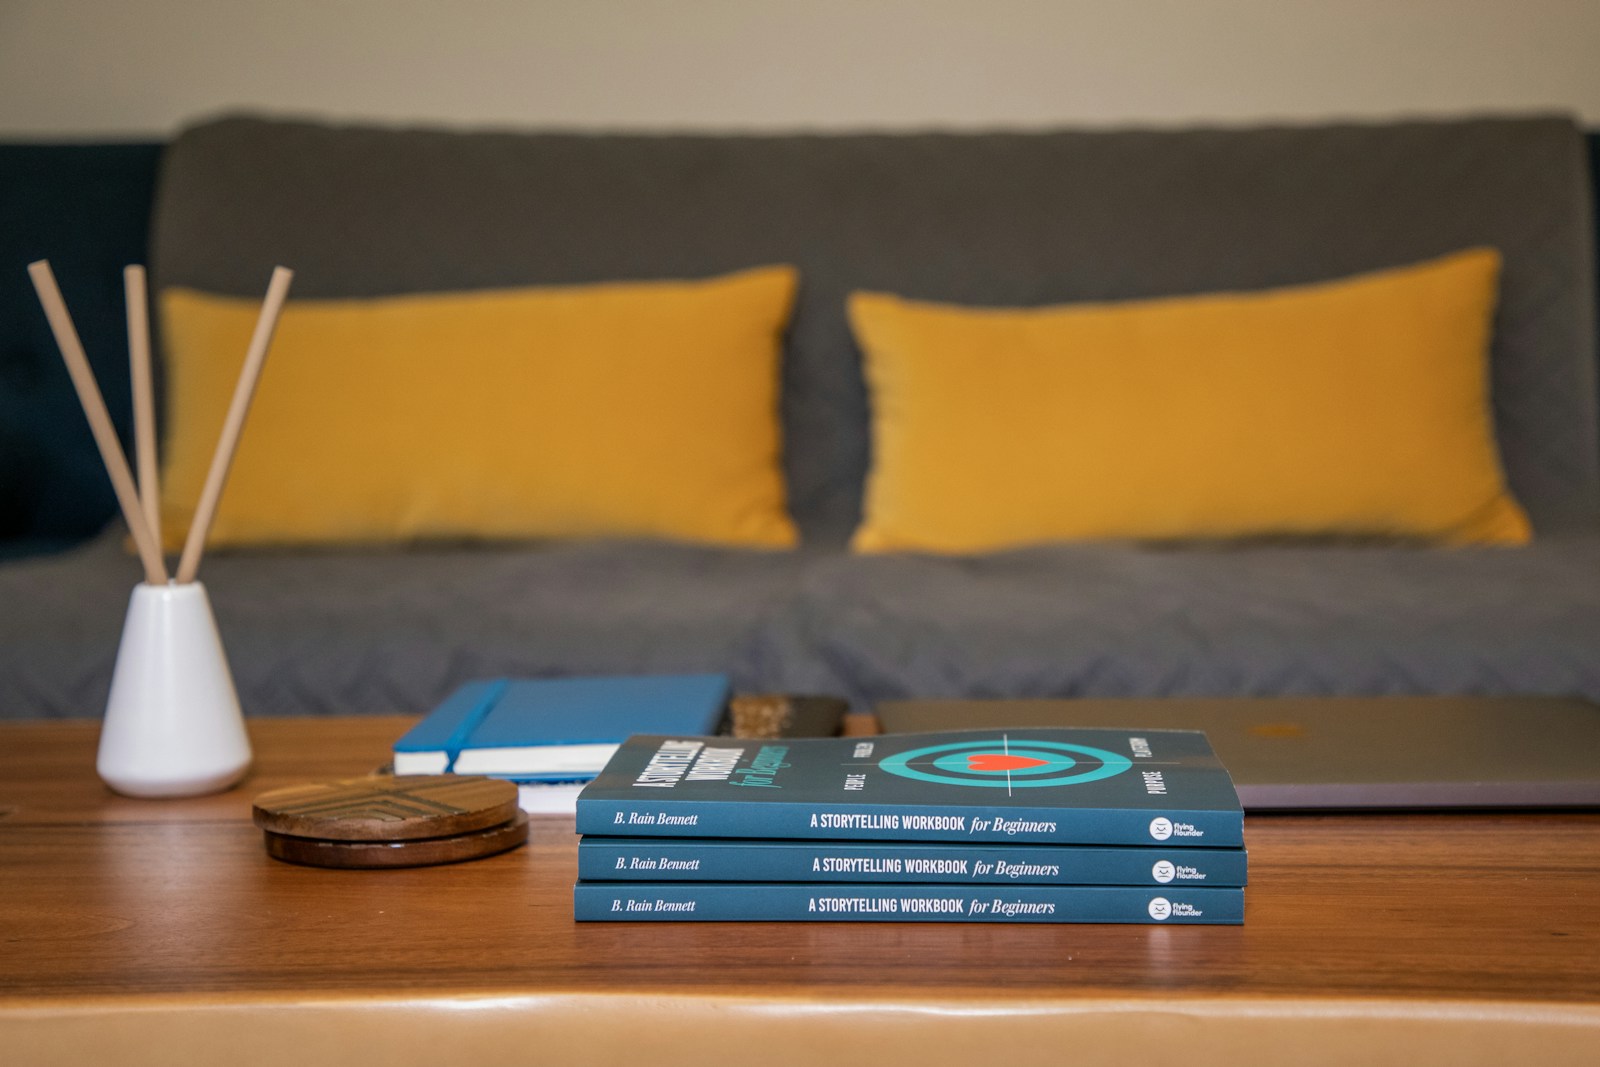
x=1005 y=218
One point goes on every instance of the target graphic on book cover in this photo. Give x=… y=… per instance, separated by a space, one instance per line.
x=1004 y=763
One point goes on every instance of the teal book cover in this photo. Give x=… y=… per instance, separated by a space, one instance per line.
x=1023 y=786
x=767 y=902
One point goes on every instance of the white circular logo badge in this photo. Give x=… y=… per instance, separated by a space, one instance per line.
x=1160 y=908
x=1163 y=871
x=1160 y=828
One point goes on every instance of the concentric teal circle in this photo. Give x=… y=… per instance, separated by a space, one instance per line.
x=951 y=758
x=1049 y=762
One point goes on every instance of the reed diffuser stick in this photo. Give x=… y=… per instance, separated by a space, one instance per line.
x=94 y=407
x=144 y=403
x=228 y=442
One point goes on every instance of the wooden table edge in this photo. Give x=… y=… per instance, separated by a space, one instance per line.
x=677 y=1028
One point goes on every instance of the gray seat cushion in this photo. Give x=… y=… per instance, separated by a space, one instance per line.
x=1118 y=620
x=385 y=632
x=325 y=633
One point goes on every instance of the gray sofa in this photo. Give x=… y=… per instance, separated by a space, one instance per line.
x=998 y=219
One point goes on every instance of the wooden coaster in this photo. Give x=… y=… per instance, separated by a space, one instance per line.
x=418 y=853
x=387 y=808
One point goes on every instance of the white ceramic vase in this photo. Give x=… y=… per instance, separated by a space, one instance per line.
x=173 y=727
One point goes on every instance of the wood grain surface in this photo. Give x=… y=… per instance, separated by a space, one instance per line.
x=381 y=807
x=108 y=897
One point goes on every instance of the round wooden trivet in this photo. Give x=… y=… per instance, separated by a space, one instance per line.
x=387 y=808
x=423 y=853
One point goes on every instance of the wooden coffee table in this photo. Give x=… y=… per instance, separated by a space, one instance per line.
x=153 y=932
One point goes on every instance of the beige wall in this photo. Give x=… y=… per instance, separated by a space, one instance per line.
x=142 y=67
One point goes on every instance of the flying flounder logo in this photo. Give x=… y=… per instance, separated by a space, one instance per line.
x=1001 y=763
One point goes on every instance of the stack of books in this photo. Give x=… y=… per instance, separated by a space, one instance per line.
x=553 y=735
x=1026 y=825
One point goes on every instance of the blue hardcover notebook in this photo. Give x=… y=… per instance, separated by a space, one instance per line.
x=1028 y=786
x=555 y=729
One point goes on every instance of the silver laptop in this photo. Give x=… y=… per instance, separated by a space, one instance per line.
x=1336 y=753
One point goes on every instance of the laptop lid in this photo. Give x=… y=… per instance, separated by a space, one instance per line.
x=1337 y=753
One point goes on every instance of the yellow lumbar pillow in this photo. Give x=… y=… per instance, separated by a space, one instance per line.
x=646 y=409
x=1353 y=407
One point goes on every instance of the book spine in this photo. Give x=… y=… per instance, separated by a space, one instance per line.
x=688 y=860
x=874 y=902
x=888 y=822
